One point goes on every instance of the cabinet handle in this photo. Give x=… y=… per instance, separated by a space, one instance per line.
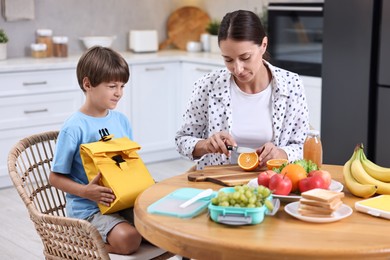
x=35 y=83
x=36 y=111
x=154 y=68
x=203 y=70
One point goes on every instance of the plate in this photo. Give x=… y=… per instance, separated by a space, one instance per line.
x=334 y=186
x=342 y=212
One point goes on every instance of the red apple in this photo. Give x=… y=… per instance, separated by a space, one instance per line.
x=310 y=183
x=280 y=184
x=324 y=175
x=264 y=177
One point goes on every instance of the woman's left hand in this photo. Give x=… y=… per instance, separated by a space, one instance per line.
x=269 y=151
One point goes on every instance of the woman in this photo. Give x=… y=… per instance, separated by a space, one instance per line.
x=250 y=103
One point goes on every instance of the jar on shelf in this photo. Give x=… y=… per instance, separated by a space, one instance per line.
x=312 y=148
x=38 y=50
x=45 y=36
x=60 y=46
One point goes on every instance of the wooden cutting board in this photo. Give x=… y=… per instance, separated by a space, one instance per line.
x=226 y=175
x=185 y=24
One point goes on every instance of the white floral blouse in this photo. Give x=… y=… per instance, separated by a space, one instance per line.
x=209 y=111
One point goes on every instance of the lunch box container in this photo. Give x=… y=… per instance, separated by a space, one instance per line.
x=241 y=216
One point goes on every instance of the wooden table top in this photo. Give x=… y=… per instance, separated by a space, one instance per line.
x=359 y=236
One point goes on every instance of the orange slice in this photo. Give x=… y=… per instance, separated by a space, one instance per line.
x=275 y=163
x=248 y=161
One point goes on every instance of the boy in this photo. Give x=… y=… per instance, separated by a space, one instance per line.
x=102 y=74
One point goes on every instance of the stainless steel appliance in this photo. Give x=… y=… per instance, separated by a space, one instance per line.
x=295 y=31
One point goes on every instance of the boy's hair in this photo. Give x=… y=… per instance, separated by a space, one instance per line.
x=100 y=64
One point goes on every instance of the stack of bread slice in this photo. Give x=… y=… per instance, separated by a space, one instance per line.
x=319 y=202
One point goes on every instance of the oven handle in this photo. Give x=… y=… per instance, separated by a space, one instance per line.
x=295 y=8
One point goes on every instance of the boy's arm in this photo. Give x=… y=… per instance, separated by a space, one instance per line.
x=92 y=191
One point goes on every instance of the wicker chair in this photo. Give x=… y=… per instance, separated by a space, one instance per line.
x=62 y=237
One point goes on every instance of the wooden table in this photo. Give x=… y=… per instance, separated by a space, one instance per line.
x=359 y=236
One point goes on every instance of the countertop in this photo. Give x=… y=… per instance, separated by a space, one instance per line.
x=33 y=64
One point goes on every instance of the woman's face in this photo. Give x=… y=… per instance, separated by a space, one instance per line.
x=243 y=58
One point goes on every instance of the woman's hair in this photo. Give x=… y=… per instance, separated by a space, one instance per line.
x=241 y=25
x=100 y=64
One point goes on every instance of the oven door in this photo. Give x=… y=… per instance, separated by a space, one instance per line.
x=295 y=37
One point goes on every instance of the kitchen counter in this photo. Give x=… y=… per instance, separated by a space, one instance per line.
x=29 y=63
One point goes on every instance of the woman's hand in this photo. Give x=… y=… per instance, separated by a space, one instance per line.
x=100 y=194
x=214 y=144
x=269 y=151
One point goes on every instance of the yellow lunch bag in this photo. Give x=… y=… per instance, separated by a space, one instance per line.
x=122 y=169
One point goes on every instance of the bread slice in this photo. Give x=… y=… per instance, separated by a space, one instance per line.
x=309 y=213
x=319 y=210
x=322 y=195
x=333 y=205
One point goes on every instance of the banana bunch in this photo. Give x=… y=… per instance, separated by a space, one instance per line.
x=364 y=178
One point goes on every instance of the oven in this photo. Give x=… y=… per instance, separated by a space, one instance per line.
x=295 y=30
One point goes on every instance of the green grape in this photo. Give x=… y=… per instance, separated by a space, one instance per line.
x=243 y=196
x=266 y=192
x=252 y=200
x=269 y=205
x=224 y=204
x=236 y=195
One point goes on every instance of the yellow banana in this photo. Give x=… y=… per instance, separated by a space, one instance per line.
x=356 y=188
x=377 y=172
x=363 y=177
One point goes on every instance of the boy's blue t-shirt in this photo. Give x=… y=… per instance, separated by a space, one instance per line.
x=76 y=130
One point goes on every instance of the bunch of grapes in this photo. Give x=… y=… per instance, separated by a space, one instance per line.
x=244 y=197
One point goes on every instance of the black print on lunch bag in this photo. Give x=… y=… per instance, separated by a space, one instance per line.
x=118 y=159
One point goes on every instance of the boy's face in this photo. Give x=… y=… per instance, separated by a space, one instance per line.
x=104 y=96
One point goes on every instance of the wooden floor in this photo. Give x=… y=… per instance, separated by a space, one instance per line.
x=18 y=238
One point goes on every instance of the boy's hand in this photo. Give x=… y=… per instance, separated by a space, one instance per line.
x=100 y=194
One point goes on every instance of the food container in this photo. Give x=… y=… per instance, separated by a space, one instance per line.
x=38 y=50
x=378 y=206
x=240 y=216
x=194 y=46
x=104 y=41
x=45 y=36
x=143 y=40
x=60 y=46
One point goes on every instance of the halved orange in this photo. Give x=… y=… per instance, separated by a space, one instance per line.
x=276 y=163
x=248 y=161
x=295 y=173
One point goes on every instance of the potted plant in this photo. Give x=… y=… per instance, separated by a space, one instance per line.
x=212 y=28
x=3 y=44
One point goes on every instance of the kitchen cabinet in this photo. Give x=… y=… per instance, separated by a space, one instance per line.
x=153 y=109
x=190 y=73
x=33 y=102
x=313 y=96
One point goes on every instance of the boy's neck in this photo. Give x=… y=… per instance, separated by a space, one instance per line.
x=93 y=112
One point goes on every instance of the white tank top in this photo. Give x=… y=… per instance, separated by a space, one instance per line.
x=252 y=117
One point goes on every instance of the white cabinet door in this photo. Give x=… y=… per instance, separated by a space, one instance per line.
x=191 y=72
x=313 y=88
x=153 y=97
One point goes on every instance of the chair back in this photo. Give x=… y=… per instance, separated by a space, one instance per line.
x=29 y=164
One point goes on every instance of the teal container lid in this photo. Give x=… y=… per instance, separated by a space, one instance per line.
x=170 y=204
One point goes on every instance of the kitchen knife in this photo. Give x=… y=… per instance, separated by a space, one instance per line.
x=240 y=149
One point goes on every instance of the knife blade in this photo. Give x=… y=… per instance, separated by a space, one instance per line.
x=240 y=149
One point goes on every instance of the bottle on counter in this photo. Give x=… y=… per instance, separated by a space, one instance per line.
x=38 y=50
x=45 y=36
x=312 y=148
x=60 y=46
